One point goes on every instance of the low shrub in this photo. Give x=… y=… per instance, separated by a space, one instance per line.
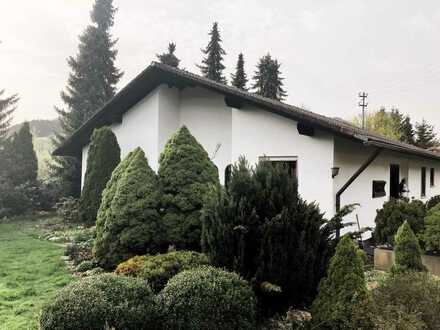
x=80 y=251
x=158 y=269
x=68 y=209
x=102 y=301
x=208 y=298
x=433 y=201
x=407 y=301
x=408 y=254
x=393 y=214
x=85 y=266
x=431 y=235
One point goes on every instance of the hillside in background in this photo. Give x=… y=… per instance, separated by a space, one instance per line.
x=43 y=131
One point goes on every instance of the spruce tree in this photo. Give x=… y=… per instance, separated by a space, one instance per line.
x=185 y=174
x=425 y=135
x=21 y=159
x=408 y=255
x=103 y=156
x=169 y=58
x=7 y=107
x=343 y=291
x=128 y=219
x=91 y=83
x=212 y=65
x=239 y=79
x=268 y=80
x=406 y=131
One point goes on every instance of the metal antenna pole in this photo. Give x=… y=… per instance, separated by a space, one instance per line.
x=363 y=105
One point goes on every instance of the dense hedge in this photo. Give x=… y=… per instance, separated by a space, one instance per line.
x=128 y=219
x=208 y=298
x=343 y=291
x=408 y=254
x=393 y=214
x=433 y=201
x=260 y=228
x=103 y=156
x=431 y=235
x=99 y=301
x=158 y=269
x=185 y=174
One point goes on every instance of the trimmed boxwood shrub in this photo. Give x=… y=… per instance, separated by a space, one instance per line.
x=129 y=224
x=103 y=156
x=104 y=300
x=431 y=236
x=408 y=254
x=408 y=300
x=343 y=291
x=185 y=174
x=393 y=214
x=208 y=298
x=158 y=269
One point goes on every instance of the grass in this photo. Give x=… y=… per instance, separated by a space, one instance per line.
x=30 y=272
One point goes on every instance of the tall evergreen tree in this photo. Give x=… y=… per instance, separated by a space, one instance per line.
x=239 y=79
x=21 y=159
x=169 y=58
x=103 y=156
x=212 y=65
x=92 y=82
x=425 y=135
x=268 y=81
x=406 y=130
x=7 y=107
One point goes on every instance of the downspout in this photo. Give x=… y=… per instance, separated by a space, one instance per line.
x=367 y=162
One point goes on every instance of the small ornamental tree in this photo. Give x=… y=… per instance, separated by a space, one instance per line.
x=169 y=58
x=408 y=253
x=103 y=156
x=131 y=222
x=343 y=291
x=431 y=236
x=185 y=174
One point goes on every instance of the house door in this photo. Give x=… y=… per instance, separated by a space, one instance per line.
x=394 y=181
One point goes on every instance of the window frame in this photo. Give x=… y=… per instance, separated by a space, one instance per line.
x=423 y=182
x=281 y=159
x=432 y=177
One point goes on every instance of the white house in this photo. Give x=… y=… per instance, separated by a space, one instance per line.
x=335 y=162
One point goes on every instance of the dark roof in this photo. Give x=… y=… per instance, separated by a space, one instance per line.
x=157 y=74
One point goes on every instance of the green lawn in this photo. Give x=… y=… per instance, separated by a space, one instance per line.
x=30 y=272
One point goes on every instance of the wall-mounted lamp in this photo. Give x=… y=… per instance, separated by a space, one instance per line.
x=335 y=171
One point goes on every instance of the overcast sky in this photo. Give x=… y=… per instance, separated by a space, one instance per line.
x=329 y=50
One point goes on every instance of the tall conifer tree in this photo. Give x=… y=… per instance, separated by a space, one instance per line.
x=239 y=79
x=425 y=135
x=92 y=82
x=406 y=130
x=169 y=58
x=268 y=81
x=7 y=107
x=212 y=65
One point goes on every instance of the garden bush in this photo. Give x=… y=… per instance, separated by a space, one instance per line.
x=85 y=266
x=185 y=174
x=102 y=301
x=208 y=298
x=408 y=254
x=158 y=269
x=433 y=201
x=343 y=291
x=129 y=223
x=103 y=156
x=431 y=235
x=260 y=228
x=393 y=214
x=68 y=209
x=408 y=300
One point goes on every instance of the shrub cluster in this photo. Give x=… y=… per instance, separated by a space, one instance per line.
x=158 y=269
x=68 y=209
x=393 y=214
x=208 y=298
x=102 y=301
x=259 y=227
x=433 y=201
x=431 y=235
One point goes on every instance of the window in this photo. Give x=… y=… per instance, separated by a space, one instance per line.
x=432 y=177
x=288 y=162
x=379 y=189
x=423 y=180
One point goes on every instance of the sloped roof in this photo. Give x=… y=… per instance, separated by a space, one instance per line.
x=157 y=74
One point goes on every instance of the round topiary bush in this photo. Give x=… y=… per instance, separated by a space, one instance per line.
x=104 y=300
x=208 y=298
x=158 y=269
x=393 y=214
